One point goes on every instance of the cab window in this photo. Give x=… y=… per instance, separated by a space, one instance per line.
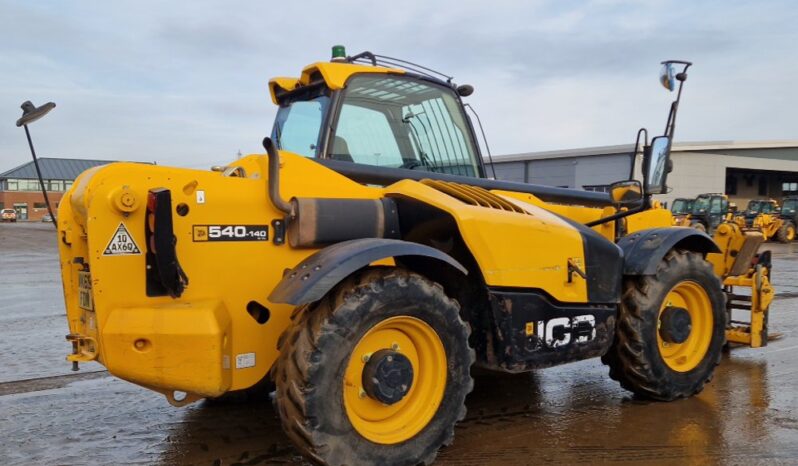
x=401 y=122
x=297 y=126
x=716 y=205
x=364 y=135
x=789 y=206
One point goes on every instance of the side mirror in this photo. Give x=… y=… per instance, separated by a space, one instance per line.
x=667 y=77
x=656 y=165
x=626 y=192
x=465 y=90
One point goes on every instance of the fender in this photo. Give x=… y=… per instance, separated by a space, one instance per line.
x=644 y=249
x=319 y=273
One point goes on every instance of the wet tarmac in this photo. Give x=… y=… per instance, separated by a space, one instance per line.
x=564 y=415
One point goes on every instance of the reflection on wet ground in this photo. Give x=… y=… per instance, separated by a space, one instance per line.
x=571 y=414
x=549 y=418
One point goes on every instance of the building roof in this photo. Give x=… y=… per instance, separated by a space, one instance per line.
x=53 y=169
x=628 y=148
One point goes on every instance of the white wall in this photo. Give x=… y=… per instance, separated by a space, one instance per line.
x=696 y=173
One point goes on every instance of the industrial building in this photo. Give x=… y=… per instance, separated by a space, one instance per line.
x=742 y=170
x=20 y=189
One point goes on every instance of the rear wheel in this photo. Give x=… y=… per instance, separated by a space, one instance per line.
x=671 y=329
x=786 y=233
x=376 y=372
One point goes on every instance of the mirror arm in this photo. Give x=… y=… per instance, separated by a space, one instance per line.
x=637 y=146
x=671 y=123
x=644 y=204
x=670 y=126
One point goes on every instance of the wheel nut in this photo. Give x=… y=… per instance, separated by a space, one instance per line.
x=362 y=393
x=365 y=358
x=395 y=346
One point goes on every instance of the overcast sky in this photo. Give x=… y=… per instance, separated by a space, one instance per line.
x=185 y=83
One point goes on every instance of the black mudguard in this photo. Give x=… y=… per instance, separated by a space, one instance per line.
x=644 y=249
x=318 y=274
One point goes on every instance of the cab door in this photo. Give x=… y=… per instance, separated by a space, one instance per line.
x=718 y=208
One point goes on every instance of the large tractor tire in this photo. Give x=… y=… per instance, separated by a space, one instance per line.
x=786 y=233
x=699 y=226
x=376 y=372
x=671 y=329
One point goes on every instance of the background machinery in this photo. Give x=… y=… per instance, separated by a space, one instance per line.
x=759 y=206
x=787 y=219
x=681 y=209
x=709 y=210
x=365 y=263
x=764 y=215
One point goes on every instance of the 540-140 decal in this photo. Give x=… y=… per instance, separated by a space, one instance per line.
x=206 y=233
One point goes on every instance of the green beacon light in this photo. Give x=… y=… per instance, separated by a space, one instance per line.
x=338 y=53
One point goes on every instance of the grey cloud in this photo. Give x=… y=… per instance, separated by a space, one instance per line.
x=187 y=86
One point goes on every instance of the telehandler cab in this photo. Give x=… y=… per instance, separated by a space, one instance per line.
x=764 y=216
x=365 y=264
x=759 y=206
x=788 y=218
x=709 y=211
x=681 y=209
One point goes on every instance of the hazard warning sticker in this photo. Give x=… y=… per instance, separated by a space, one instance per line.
x=121 y=243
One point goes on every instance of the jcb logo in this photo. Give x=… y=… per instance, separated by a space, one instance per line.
x=562 y=331
x=200 y=233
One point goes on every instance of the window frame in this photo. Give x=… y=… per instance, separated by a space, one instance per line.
x=308 y=93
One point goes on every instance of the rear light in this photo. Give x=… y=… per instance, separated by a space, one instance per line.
x=164 y=274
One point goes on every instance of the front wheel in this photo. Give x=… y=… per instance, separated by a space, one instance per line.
x=671 y=329
x=786 y=233
x=376 y=372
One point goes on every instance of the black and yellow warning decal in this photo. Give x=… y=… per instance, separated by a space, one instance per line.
x=122 y=243
x=204 y=233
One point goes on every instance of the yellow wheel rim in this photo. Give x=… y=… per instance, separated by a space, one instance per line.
x=686 y=356
x=790 y=233
x=395 y=423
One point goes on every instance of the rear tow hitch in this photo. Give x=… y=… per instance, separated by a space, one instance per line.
x=84 y=349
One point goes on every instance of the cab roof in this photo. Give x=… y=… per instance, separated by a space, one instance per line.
x=333 y=74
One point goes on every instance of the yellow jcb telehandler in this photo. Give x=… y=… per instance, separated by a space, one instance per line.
x=709 y=211
x=681 y=210
x=365 y=264
x=788 y=219
x=763 y=215
x=756 y=207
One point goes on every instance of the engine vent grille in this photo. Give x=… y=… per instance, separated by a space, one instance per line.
x=473 y=195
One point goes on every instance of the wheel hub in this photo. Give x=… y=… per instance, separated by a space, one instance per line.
x=387 y=376
x=675 y=324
